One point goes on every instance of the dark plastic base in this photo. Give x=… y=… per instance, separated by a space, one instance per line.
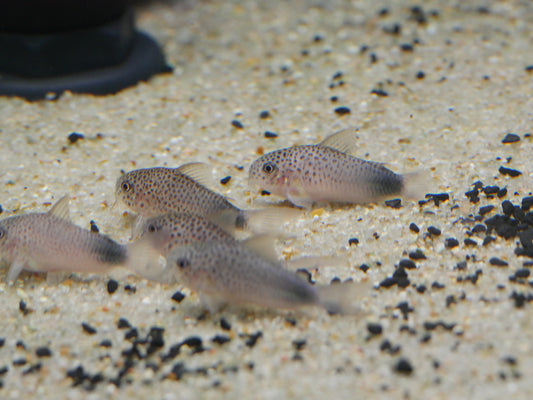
x=100 y=60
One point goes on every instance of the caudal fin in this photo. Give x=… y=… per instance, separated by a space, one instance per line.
x=344 y=298
x=415 y=185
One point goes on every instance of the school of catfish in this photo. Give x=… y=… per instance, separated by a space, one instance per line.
x=185 y=232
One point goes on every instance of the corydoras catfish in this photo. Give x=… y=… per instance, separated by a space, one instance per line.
x=49 y=242
x=327 y=172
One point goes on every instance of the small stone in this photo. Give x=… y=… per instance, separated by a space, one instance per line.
x=178 y=297
x=434 y=231
x=225 y=180
x=407 y=47
x=374 y=328
x=414 y=228
x=488 y=239
x=522 y=273
x=224 y=324
x=486 y=209
x=237 y=124
x=123 y=323
x=511 y=138
x=379 y=92
x=513 y=173
x=507 y=207
x=265 y=193
x=105 y=343
x=404 y=367
x=417 y=255
x=220 y=339
x=502 y=192
x=498 y=262
x=364 y=267
x=264 y=114
x=407 y=264
x=342 y=110
x=253 y=338
x=394 y=203
x=94 y=227
x=353 y=241
x=74 y=137
x=527 y=203
x=270 y=135
x=470 y=242
x=88 y=328
x=450 y=243
x=43 y=352
x=420 y=75
x=112 y=286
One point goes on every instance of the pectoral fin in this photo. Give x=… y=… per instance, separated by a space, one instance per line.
x=14 y=270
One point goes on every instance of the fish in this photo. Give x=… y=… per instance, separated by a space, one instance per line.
x=155 y=191
x=223 y=272
x=328 y=172
x=50 y=242
x=174 y=229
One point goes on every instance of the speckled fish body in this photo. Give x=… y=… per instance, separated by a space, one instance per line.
x=310 y=173
x=173 y=229
x=155 y=191
x=230 y=273
x=49 y=242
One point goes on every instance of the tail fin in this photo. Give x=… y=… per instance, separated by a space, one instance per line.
x=144 y=259
x=344 y=298
x=268 y=220
x=415 y=185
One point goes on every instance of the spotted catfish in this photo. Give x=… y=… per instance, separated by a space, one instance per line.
x=49 y=242
x=225 y=272
x=155 y=191
x=327 y=172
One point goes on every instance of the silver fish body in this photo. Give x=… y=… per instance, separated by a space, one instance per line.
x=155 y=191
x=230 y=273
x=310 y=173
x=173 y=229
x=48 y=242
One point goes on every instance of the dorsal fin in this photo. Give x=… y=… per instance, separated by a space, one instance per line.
x=60 y=209
x=198 y=171
x=343 y=141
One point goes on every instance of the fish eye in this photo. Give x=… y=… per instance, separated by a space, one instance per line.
x=269 y=168
x=2 y=233
x=183 y=263
x=126 y=187
x=152 y=228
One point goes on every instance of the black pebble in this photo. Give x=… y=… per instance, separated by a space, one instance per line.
x=23 y=308
x=123 y=323
x=2 y=342
x=1 y=209
x=417 y=255
x=450 y=243
x=407 y=47
x=265 y=193
x=527 y=203
x=237 y=124
x=88 y=328
x=403 y=366
x=353 y=241
x=434 y=231
x=498 y=262
x=270 y=135
x=264 y=114
x=511 y=138
x=225 y=180
x=178 y=297
x=507 y=208
x=94 y=227
x=132 y=333
x=74 y=137
x=112 y=286
x=364 y=267
x=4 y=370
x=334 y=99
x=43 y=352
x=252 y=339
x=437 y=285
x=502 y=192
x=488 y=239
x=342 y=110
x=486 y=209
x=379 y=92
x=394 y=203
x=490 y=190
x=420 y=75
x=19 y=361
x=224 y=324
x=414 y=228
x=220 y=339
x=194 y=342
x=407 y=264
x=513 y=173
x=522 y=273
x=105 y=343
x=470 y=242
x=130 y=288
x=374 y=328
